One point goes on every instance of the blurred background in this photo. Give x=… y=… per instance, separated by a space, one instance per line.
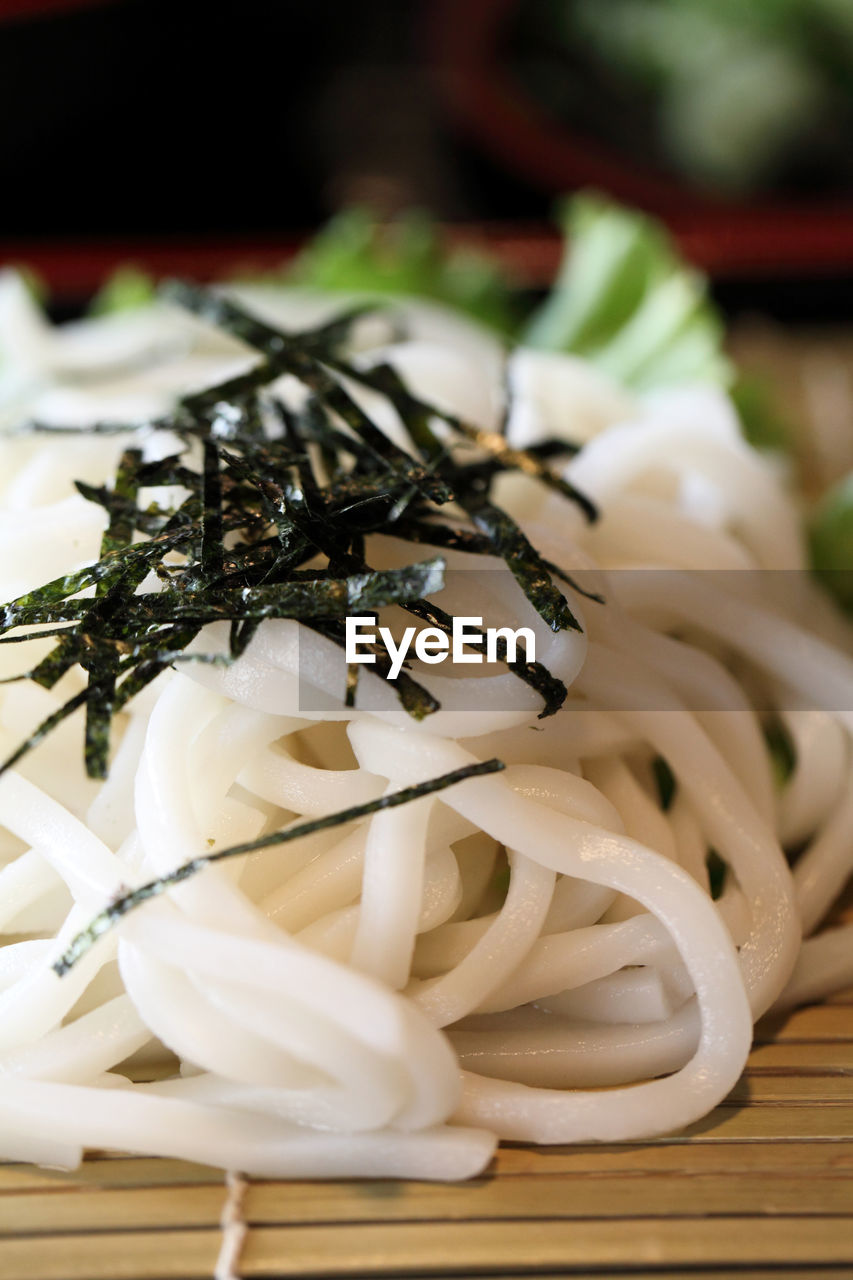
x=190 y=137
x=253 y=120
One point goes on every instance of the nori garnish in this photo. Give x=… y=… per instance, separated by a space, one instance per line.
x=269 y=490
x=385 y=379
x=121 y=906
x=504 y=537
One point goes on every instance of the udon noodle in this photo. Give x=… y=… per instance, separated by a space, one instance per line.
x=535 y=955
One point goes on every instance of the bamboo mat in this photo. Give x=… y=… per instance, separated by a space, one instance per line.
x=765 y=1182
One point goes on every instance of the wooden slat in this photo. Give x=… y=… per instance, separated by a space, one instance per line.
x=455 y=1250
x=97 y=1209
x=822 y=1089
x=619 y=1196
x=767 y=1124
x=131 y=1255
x=468 y=1247
x=517 y=1198
x=822 y=1022
x=125 y=1171
x=679 y=1159
x=798 y=1057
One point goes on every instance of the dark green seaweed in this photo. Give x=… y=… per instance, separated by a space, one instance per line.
x=270 y=493
x=128 y=902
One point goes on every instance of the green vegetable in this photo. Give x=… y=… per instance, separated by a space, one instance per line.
x=763 y=425
x=34 y=283
x=355 y=254
x=625 y=300
x=740 y=89
x=126 y=289
x=831 y=541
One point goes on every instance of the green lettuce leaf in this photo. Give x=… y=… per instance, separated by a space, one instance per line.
x=126 y=289
x=355 y=254
x=625 y=300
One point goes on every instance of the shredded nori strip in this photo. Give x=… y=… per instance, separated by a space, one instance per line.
x=223 y=313
x=414 y=698
x=385 y=379
x=502 y=534
x=121 y=906
x=508 y=541
x=269 y=492
x=46 y=726
x=551 y=690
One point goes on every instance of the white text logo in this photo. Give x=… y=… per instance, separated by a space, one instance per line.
x=433 y=645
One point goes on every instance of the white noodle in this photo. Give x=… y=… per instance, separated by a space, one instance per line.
x=534 y=955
